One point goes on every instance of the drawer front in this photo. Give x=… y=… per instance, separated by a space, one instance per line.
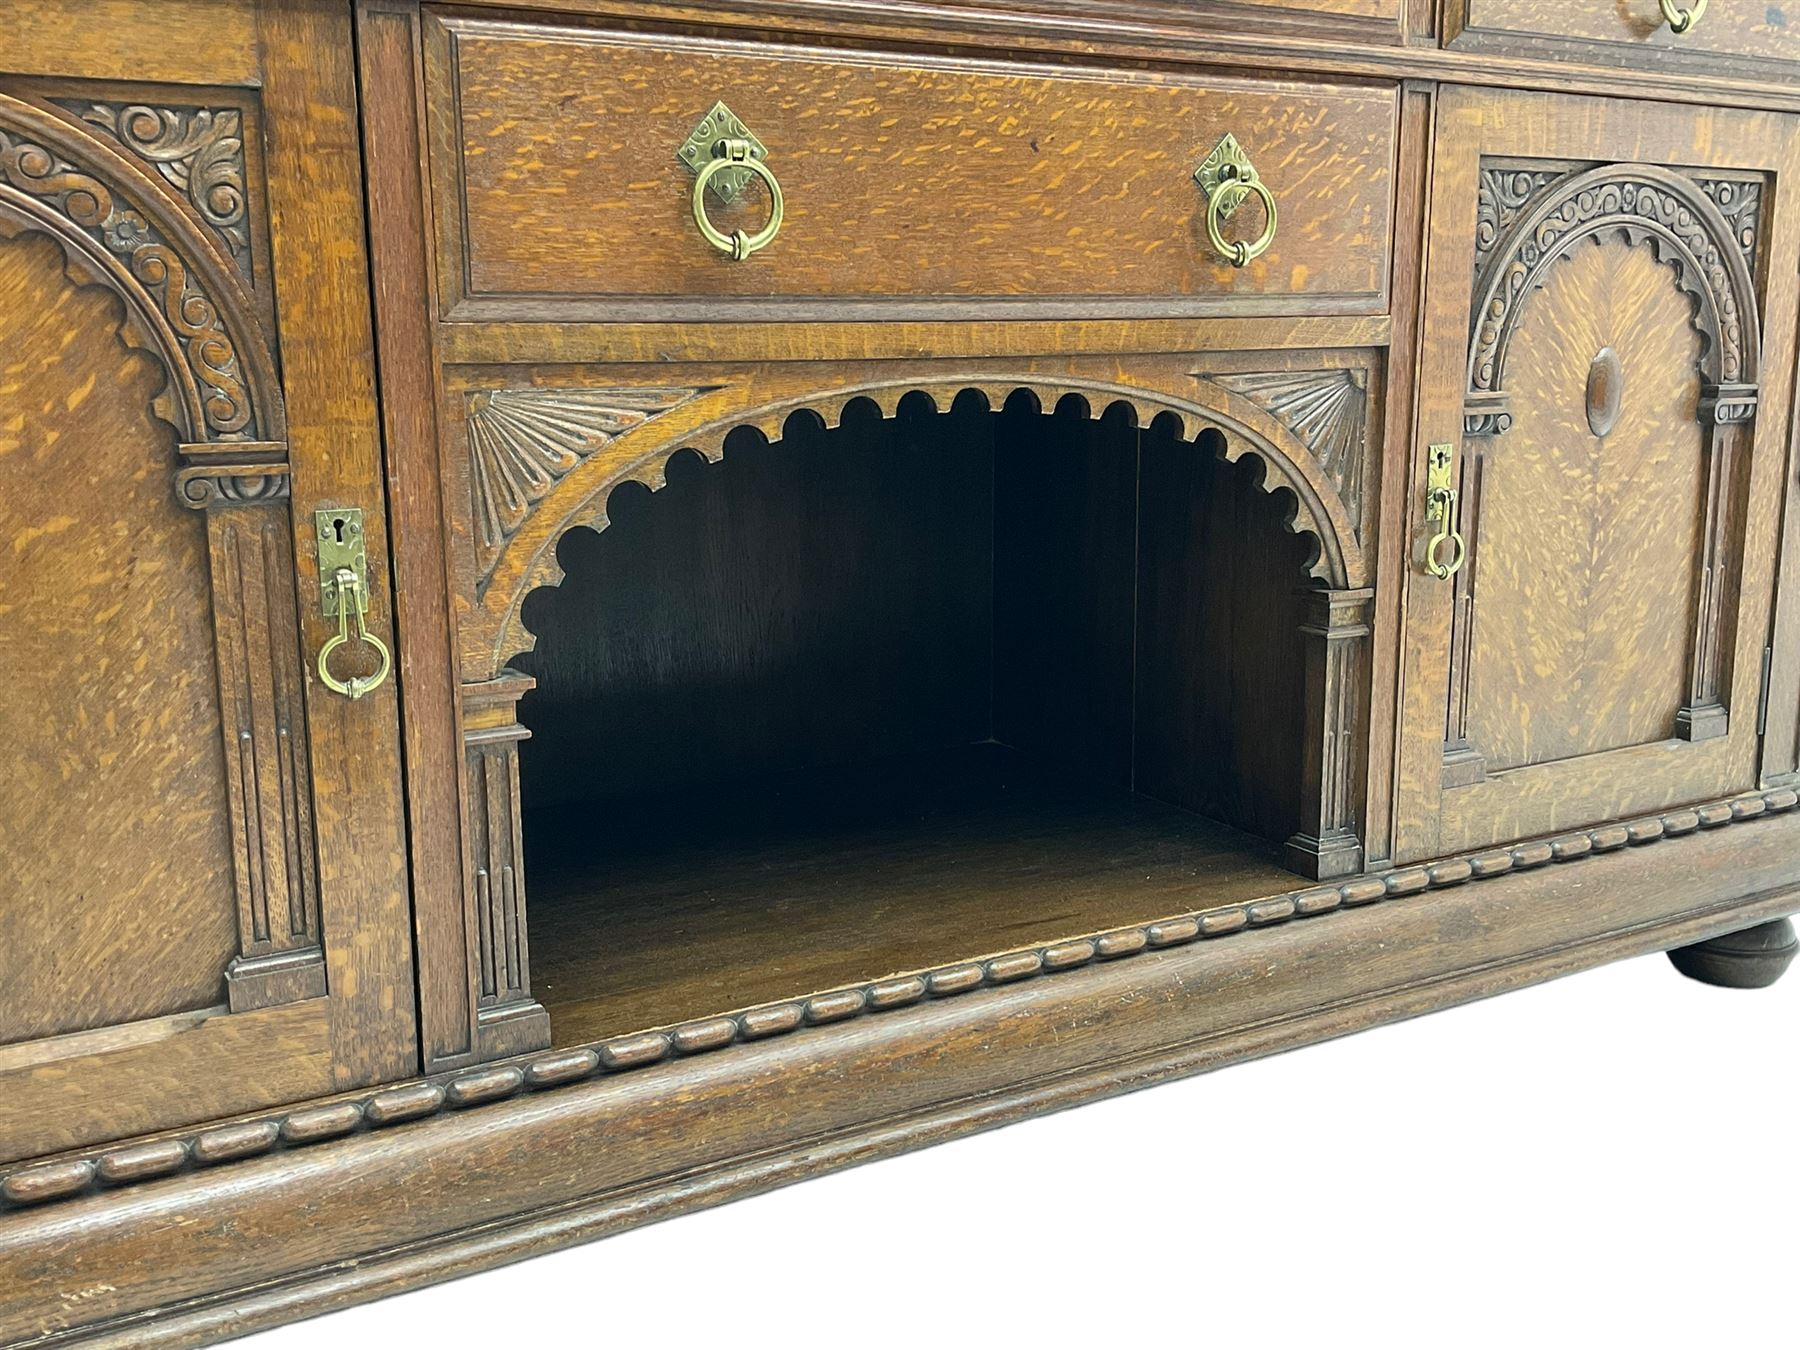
x=912 y=188
x=1726 y=33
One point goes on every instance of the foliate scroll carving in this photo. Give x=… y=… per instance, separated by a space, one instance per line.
x=1502 y=193
x=1645 y=204
x=1740 y=201
x=200 y=151
x=1327 y=410
x=215 y=391
x=523 y=442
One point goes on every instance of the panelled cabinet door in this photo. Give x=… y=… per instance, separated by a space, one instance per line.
x=1610 y=308
x=203 y=908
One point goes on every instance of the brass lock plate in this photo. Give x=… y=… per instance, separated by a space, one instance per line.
x=721 y=124
x=1439 y=468
x=1222 y=174
x=338 y=532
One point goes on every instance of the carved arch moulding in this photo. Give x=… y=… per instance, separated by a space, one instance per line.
x=126 y=228
x=1528 y=220
x=542 y=461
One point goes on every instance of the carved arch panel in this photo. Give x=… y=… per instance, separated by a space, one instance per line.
x=1643 y=263
x=152 y=222
x=538 y=462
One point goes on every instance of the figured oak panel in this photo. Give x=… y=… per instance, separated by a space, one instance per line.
x=1614 y=440
x=119 y=899
x=1587 y=546
x=911 y=187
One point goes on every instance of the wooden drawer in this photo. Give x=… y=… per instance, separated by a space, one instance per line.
x=1732 y=37
x=914 y=187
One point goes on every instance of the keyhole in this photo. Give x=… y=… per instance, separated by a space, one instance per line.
x=338 y=525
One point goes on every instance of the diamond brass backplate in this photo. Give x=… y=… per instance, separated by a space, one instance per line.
x=720 y=124
x=1213 y=180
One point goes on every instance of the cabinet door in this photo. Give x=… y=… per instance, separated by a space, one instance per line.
x=1603 y=342
x=203 y=904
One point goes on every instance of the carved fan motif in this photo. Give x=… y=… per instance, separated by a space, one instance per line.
x=1328 y=410
x=522 y=442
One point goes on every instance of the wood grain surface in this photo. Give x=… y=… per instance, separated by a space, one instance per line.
x=1555 y=785
x=1636 y=29
x=909 y=181
x=1585 y=553
x=119 y=902
x=458 y=1192
x=682 y=907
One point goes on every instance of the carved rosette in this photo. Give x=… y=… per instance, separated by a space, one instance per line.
x=523 y=442
x=199 y=151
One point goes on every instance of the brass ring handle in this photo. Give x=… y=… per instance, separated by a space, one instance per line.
x=737 y=153
x=351 y=596
x=1236 y=251
x=1680 y=20
x=1440 y=507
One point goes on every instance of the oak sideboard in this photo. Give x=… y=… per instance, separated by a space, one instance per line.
x=607 y=604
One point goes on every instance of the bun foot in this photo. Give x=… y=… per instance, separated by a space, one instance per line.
x=1752 y=959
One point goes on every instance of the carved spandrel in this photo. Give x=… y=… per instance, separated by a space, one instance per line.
x=198 y=150
x=1740 y=202
x=1328 y=410
x=523 y=442
x=80 y=185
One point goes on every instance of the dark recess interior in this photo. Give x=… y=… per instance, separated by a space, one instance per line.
x=898 y=693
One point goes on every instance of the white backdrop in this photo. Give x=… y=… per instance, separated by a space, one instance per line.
x=1603 y=1161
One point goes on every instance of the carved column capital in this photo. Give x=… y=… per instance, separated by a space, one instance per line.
x=232 y=473
x=1727 y=404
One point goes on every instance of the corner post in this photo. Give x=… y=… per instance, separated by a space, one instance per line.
x=508 y=1021
x=1335 y=628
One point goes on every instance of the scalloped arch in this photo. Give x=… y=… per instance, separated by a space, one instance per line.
x=1317 y=511
x=1647 y=204
x=122 y=229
